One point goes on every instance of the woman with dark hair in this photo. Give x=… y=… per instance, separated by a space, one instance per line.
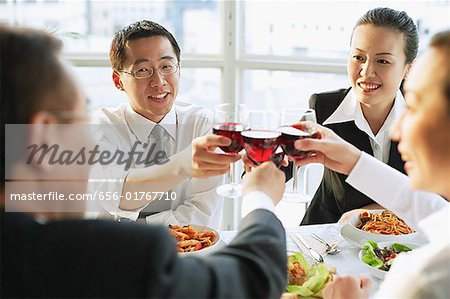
x=383 y=46
x=424 y=144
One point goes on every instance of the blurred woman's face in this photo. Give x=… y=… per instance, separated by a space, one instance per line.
x=424 y=129
x=376 y=64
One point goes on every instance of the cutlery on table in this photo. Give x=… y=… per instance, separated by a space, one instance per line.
x=298 y=239
x=331 y=248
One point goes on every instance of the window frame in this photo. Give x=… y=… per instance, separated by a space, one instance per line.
x=232 y=61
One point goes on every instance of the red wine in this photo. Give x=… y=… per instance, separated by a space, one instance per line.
x=288 y=137
x=232 y=131
x=260 y=145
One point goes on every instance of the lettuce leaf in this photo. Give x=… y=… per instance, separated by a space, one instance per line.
x=397 y=247
x=368 y=255
x=317 y=280
x=299 y=290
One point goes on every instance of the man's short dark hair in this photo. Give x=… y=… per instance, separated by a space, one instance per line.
x=137 y=30
x=32 y=78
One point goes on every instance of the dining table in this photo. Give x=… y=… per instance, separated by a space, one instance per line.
x=346 y=261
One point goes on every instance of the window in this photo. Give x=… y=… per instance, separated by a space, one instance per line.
x=268 y=54
x=305 y=45
x=87 y=27
x=305 y=29
x=283 y=89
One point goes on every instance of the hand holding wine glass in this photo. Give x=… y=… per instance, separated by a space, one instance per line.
x=332 y=151
x=206 y=162
x=290 y=132
x=230 y=120
x=265 y=178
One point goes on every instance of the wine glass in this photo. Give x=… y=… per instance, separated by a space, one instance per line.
x=230 y=120
x=262 y=140
x=291 y=133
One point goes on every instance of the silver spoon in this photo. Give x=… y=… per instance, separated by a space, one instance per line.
x=331 y=249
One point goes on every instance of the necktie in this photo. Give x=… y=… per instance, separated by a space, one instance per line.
x=156 y=141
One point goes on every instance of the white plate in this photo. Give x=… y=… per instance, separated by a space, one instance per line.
x=350 y=236
x=359 y=236
x=354 y=237
x=381 y=273
x=217 y=243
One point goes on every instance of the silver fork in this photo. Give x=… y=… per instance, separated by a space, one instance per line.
x=298 y=239
x=331 y=249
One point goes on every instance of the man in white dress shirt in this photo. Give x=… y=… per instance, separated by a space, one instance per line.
x=179 y=186
x=424 y=144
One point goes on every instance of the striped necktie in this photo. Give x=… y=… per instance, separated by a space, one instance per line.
x=156 y=141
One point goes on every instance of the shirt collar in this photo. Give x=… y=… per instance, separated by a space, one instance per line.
x=345 y=111
x=396 y=111
x=350 y=110
x=142 y=126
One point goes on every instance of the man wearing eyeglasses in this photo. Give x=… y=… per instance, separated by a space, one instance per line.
x=163 y=183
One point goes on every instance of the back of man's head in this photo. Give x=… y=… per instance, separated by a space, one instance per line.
x=32 y=79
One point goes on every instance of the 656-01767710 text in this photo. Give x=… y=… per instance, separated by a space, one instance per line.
x=97 y=195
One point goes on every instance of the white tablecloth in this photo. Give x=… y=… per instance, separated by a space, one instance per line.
x=346 y=262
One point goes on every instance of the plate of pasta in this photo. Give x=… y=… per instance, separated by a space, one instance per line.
x=195 y=239
x=377 y=226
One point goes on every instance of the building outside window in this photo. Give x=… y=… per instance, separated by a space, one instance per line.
x=268 y=54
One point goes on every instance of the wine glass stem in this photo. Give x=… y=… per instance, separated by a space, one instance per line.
x=231 y=175
x=294 y=177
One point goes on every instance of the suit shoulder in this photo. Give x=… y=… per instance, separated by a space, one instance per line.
x=329 y=96
x=105 y=233
x=326 y=103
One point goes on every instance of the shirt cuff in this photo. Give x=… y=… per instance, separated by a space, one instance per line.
x=358 y=169
x=256 y=200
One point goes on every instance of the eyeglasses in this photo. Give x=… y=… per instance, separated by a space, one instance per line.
x=144 y=73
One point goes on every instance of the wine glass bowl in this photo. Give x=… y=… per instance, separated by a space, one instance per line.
x=233 y=131
x=260 y=145
x=290 y=134
x=262 y=140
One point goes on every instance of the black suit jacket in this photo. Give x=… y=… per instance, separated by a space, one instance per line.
x=105 y=259
x=334 y=196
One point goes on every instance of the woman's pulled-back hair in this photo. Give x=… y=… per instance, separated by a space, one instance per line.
x=395 y=20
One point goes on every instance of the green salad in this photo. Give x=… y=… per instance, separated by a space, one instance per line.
x=381 y=258
x=304 y=279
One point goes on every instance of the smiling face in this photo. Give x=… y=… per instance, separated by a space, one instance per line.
x=423 y=130
x=151 y=97
x=376 y=64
